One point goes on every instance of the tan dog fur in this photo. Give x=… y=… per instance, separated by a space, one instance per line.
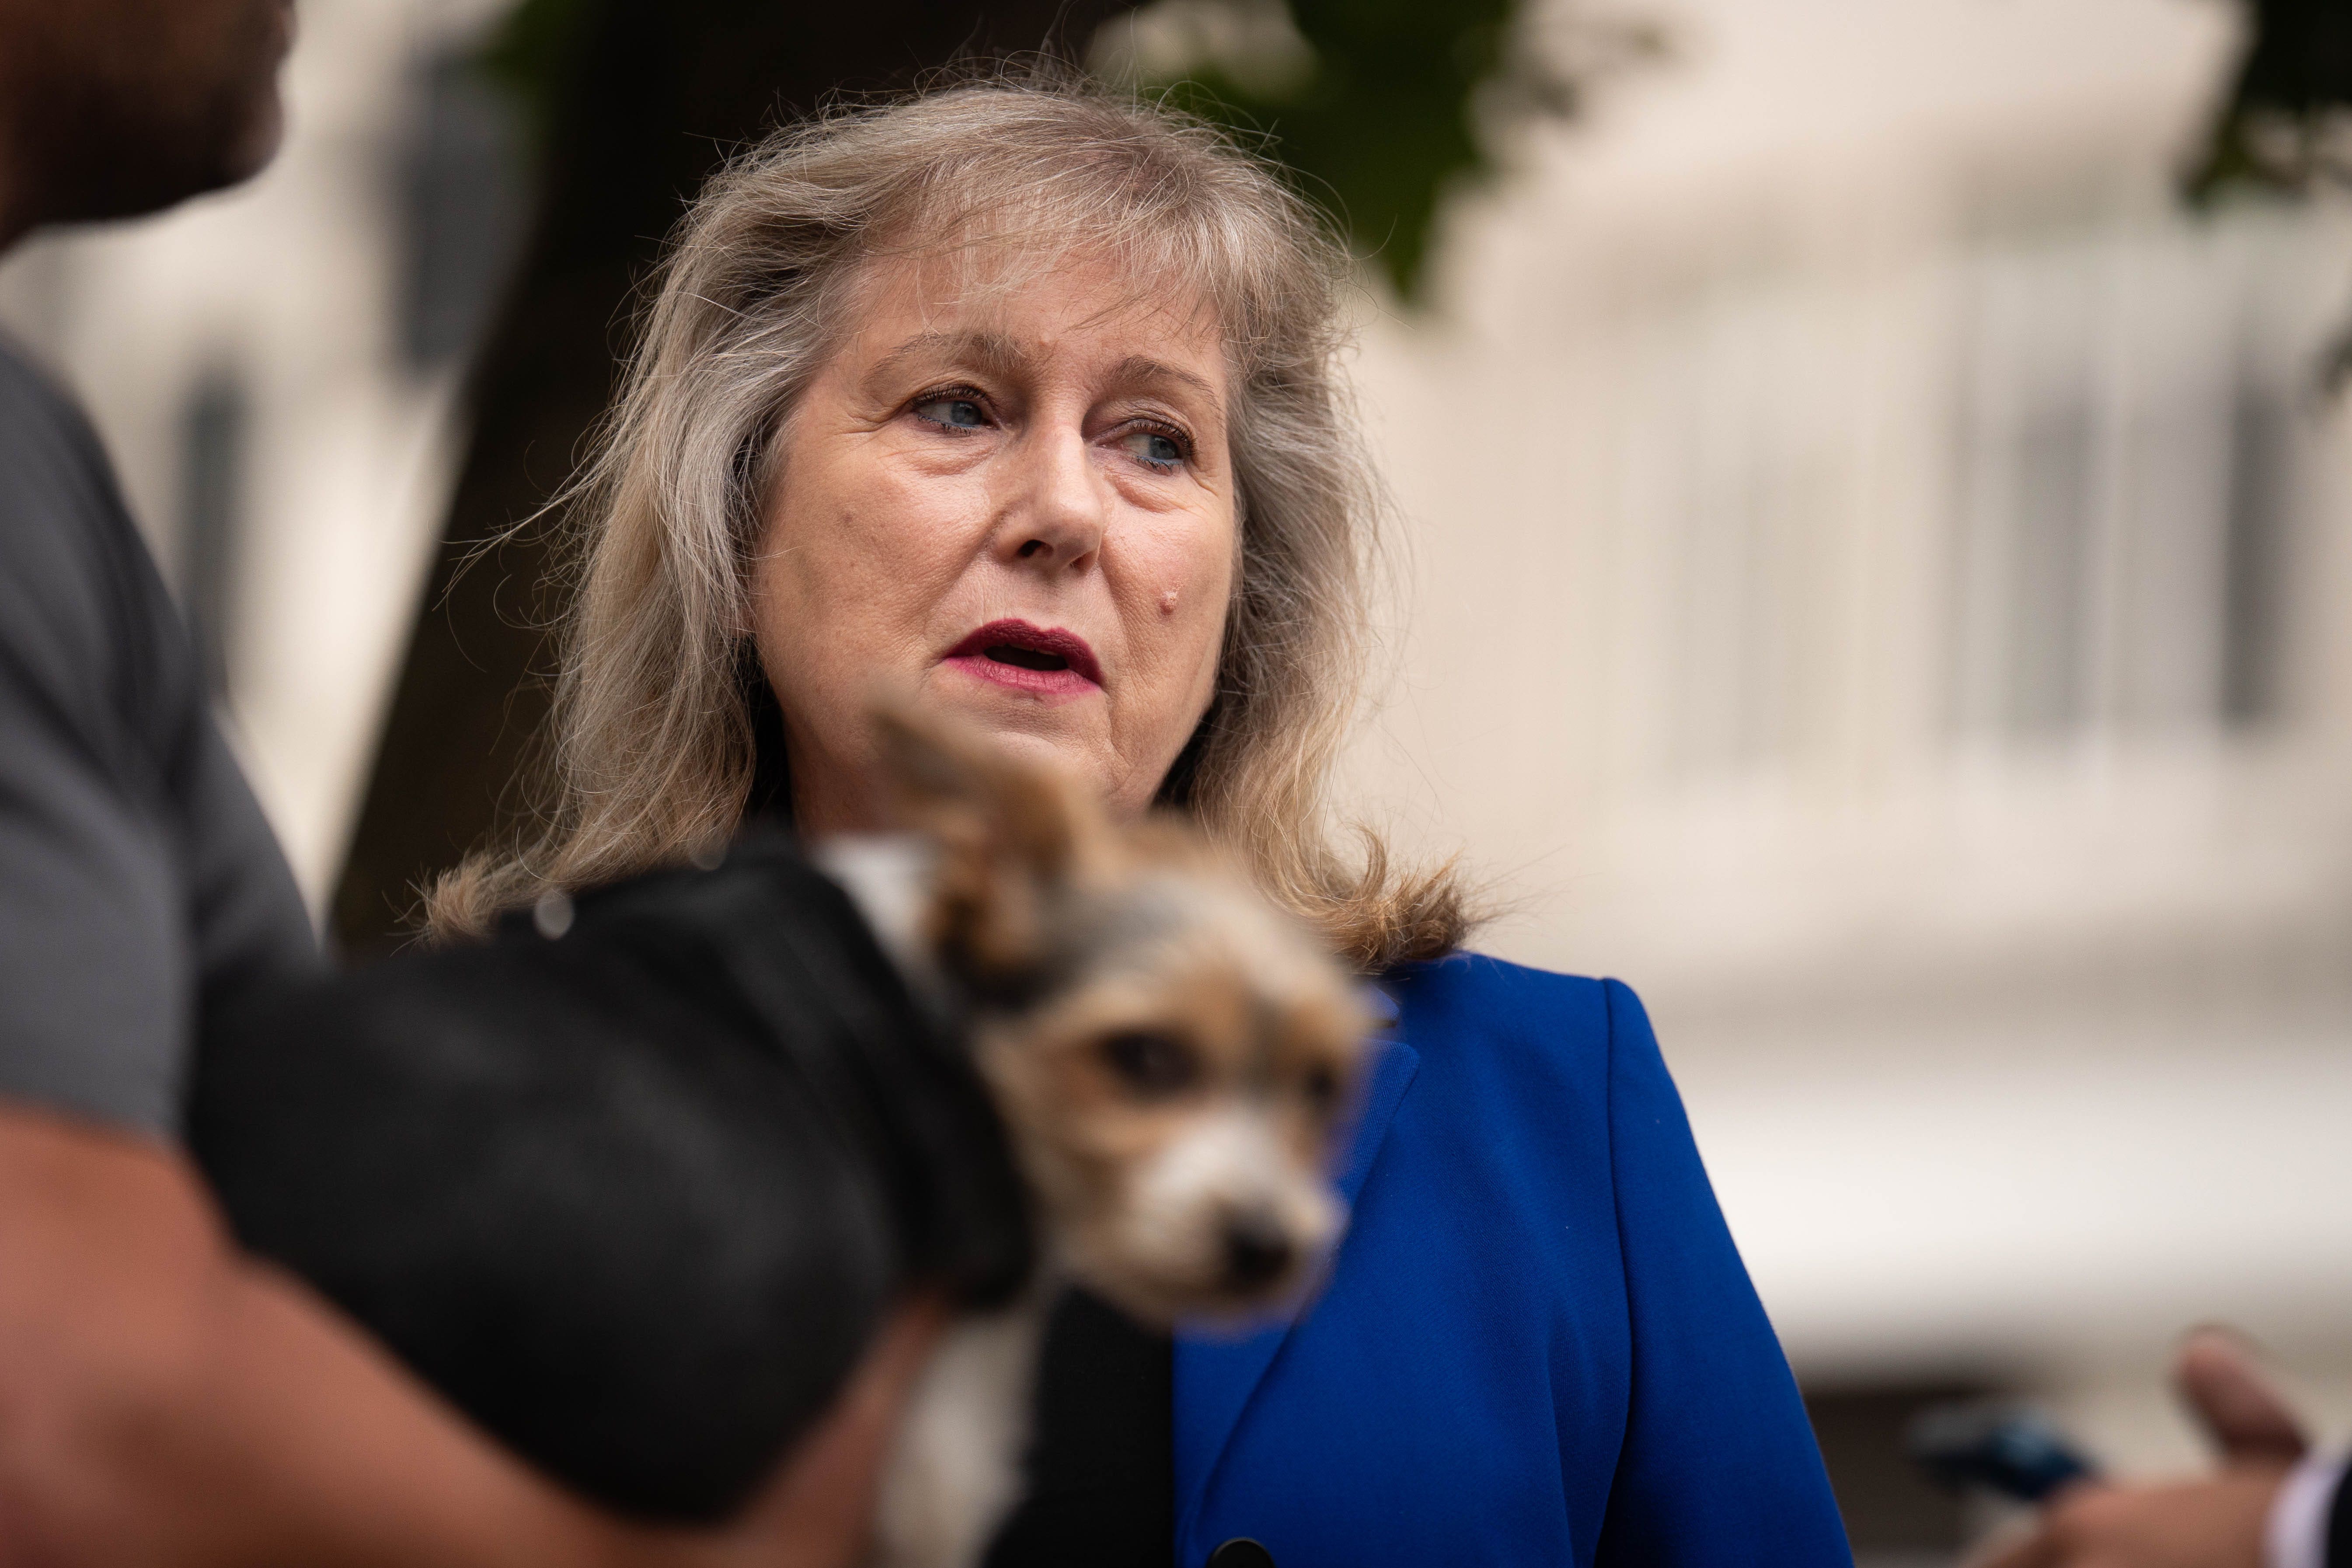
x=1172 y=1054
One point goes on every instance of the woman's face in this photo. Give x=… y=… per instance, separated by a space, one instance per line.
x=1016 y=505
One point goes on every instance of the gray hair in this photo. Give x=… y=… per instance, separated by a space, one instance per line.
x=651 y=751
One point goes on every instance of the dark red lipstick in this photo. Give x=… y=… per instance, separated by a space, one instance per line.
x=1047 y=661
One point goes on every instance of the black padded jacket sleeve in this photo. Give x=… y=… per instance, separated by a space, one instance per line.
x=140 y=886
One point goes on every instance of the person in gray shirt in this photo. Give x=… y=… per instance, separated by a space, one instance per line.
x=163 y=1398
x=140 y=889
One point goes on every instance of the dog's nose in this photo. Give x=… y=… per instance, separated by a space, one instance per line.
x=1257 y=1249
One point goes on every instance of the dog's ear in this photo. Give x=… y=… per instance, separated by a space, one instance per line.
x=1011 y=837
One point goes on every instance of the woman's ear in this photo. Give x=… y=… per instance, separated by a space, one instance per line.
x=1013 y=838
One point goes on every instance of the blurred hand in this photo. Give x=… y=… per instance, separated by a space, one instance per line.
x=2216 y=1521
x=819 y=1511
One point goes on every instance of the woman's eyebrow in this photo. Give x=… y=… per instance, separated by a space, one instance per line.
x=998 y=354
x=992 y=352
x=1138 y=371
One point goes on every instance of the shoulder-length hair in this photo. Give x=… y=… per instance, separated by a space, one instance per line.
x=652 y=751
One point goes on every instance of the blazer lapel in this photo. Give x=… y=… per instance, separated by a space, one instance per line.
x=1215 y=1374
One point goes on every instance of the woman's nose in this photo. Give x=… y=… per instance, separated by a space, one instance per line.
x=1056 y=521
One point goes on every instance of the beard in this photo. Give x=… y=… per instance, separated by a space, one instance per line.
x=129 y=106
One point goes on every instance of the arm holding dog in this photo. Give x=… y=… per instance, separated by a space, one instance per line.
x=164 y=1400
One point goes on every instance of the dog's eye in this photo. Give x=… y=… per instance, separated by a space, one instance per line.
x=1152 y=1063
x=1322 y=1087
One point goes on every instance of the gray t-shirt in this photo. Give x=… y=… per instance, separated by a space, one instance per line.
x=140 y=891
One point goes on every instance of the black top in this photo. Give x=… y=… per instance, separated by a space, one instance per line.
x=140 y=887
x=1102 y=1483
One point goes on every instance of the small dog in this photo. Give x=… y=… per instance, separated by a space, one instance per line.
x=1170 y=1057
x=633 y=1182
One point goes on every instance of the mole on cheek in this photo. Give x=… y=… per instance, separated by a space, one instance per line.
x=1168 y=600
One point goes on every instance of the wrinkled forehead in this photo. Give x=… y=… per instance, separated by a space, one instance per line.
x=975 y=275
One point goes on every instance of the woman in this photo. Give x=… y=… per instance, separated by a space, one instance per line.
x=1022 y=398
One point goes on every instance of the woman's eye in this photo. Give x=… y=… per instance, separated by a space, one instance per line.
x=957 y=412
x=1158 y=450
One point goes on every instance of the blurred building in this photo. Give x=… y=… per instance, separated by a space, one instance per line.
x=274 y=369
x=1873 y=579
x=1870 y=580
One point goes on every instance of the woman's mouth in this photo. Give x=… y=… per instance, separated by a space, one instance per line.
x=1036 y=659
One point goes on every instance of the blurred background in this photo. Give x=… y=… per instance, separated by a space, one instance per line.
x=1871 y=544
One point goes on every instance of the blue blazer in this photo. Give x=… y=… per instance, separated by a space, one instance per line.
x=1538 y=1343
